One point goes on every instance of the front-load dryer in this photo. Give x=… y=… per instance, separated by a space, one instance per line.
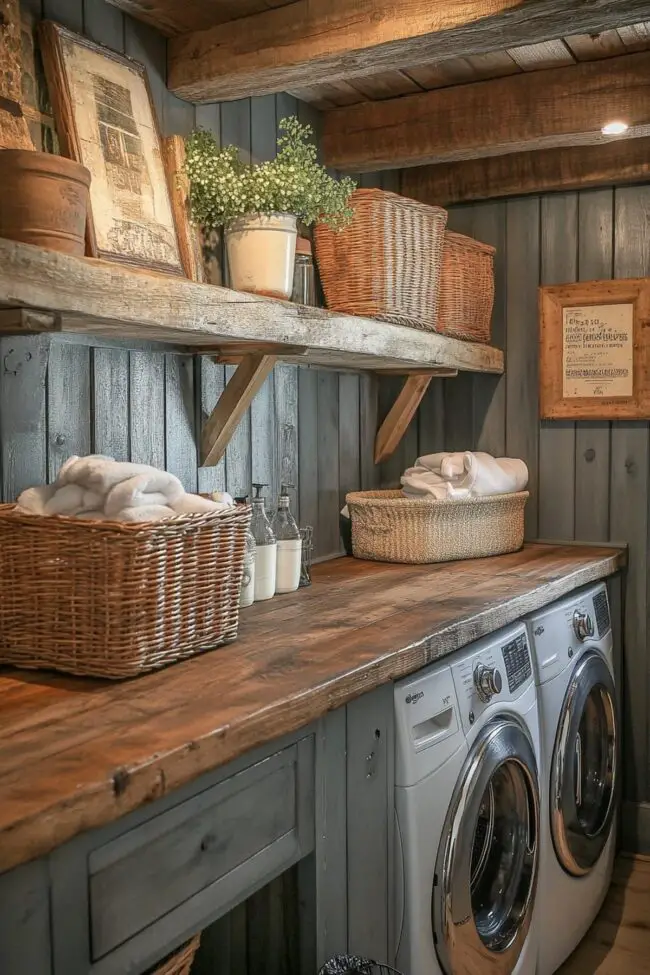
x=573 y=657
x=467 y=812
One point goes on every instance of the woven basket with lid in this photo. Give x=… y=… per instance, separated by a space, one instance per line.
x=386 y=263
x=387 y=527
x=110 y=599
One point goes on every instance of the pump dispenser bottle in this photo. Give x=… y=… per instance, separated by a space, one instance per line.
x=289 y=545
x=265 y=548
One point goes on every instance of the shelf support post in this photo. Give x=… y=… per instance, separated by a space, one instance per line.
x=403 y=409
x=240 y=391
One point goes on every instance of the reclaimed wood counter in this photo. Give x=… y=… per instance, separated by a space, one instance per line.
x=77 y=753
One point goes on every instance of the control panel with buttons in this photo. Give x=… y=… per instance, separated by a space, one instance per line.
x=516 y=657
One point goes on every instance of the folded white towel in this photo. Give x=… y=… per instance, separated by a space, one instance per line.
x=32 y=500
x=151 y=488
x=72 y=499
x=452 y=462
x=471 y=474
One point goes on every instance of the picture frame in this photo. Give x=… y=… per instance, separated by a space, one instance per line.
x=106 y=120
x=595 y=350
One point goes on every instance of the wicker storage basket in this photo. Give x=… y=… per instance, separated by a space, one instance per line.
x=387 y=527
x=113 y=600
x=180 y=963
x=386 y=263
x=466 y=288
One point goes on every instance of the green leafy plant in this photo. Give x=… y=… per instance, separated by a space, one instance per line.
x=223 y=188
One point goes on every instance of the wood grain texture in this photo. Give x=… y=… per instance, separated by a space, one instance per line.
x=618 y=941
x=312 y=41
x=491 y=118
x=14 y=133
x=173 y=154
x=572 y=167
x=67 y=765
x=246 y=381
x=400 y=415
x=98 y=297
x=559 y=263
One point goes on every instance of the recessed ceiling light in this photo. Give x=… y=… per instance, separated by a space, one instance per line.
x=615 y=128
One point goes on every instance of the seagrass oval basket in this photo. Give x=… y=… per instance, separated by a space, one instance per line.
x=387 y=527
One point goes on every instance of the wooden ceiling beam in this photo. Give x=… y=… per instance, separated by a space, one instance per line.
x=309 y=42
x=576 y=167
x=539 y=110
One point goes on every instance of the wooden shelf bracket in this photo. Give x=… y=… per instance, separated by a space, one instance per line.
x=403 y=410
x=240 y=391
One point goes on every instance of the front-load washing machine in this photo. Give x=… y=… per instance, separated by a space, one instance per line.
x=573 y=656
x=467 y=812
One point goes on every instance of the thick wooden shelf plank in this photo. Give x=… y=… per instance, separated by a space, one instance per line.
x=116 y=301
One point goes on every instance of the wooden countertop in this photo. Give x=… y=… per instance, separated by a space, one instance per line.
x=77 y=753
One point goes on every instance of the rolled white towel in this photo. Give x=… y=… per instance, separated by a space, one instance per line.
x=32 y=500
x=101 y=473
x=152 y=488
x=72 y=499
x=487 y=475
x=222 y=497
x=419 y=483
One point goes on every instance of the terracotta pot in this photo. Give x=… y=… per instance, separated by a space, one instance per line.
x=261 y=253
x=44 y=200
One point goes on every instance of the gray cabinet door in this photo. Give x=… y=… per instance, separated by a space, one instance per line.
x=191 y=858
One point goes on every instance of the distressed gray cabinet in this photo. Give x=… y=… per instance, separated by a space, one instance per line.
x=115 y=900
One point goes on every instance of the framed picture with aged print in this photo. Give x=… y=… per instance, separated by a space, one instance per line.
x=106 y=120
x=595 y=350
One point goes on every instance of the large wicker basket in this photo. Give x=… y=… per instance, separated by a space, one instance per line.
x=113 y=600
x=466 y=288
x=386 y=263
x=180 y=963
x=387 y=527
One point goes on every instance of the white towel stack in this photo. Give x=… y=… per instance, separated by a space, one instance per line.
x=454 y=476
x=99 y=488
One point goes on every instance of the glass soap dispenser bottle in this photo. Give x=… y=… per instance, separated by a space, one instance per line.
x=247 y=592
x=265 y=548
x=289 y=545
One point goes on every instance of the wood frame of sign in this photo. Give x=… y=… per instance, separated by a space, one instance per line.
x=595 y=350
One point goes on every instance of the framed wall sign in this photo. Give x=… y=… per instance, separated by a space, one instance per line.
x=105 y=120
x=595 y=350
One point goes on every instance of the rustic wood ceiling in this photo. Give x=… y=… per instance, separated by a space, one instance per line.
x=174 y=17
x=480 y=67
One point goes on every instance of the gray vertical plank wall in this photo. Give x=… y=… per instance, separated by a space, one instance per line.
x=589 y=480
x=148 y=403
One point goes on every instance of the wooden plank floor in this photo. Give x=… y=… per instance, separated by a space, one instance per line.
x=618 y=942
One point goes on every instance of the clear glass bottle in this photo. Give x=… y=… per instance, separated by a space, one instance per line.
x=265 y=548
x=247 y=596
x=289 y=544
x=304 y=275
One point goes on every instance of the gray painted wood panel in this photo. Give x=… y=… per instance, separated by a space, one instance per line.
x=588 y=480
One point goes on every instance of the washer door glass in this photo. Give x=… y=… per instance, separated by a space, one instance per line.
x=584 y=770
x=486 y=872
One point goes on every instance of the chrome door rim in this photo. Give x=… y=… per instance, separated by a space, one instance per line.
x=504 y=741
x=591 y=674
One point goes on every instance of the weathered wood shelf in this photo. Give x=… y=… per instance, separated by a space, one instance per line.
x=82 y=295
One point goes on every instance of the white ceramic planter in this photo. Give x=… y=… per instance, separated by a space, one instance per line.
x=261 y=253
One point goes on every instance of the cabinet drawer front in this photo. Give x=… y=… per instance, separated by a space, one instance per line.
x=154 y=869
